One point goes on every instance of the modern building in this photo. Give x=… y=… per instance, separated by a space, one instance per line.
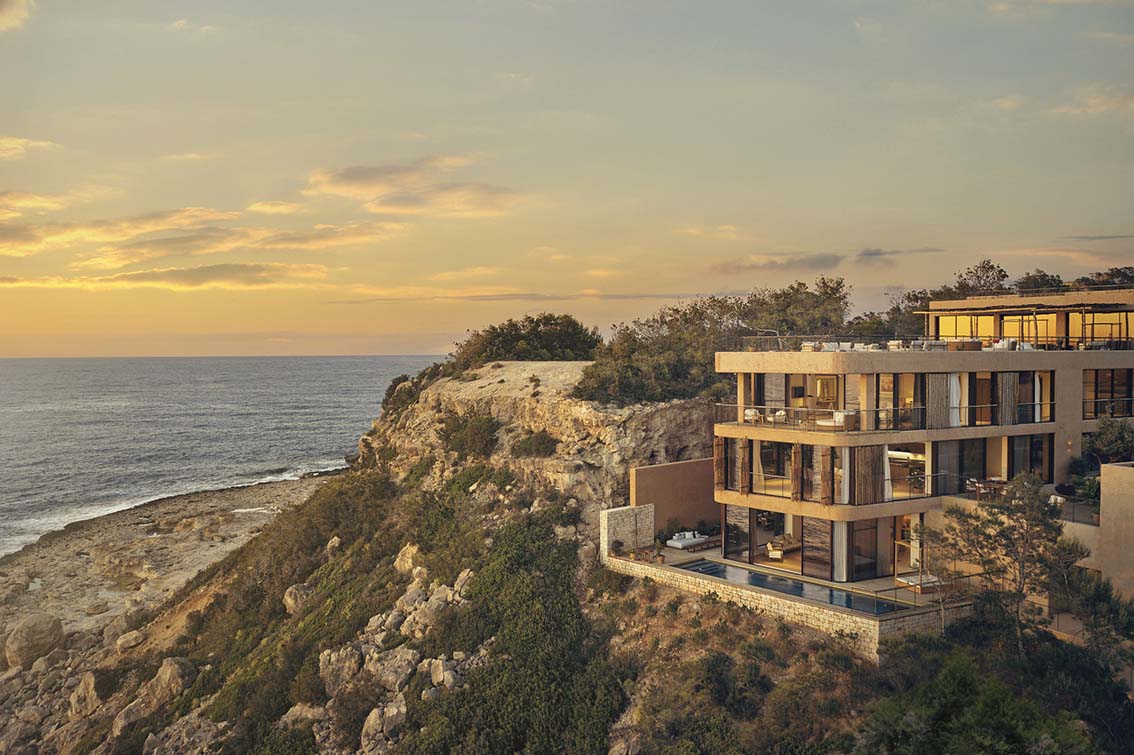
x=835 y=448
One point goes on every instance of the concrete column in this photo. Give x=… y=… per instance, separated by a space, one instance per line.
x=1068 y=420
x=868 y=400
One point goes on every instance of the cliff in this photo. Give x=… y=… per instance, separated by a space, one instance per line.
x=597 y=444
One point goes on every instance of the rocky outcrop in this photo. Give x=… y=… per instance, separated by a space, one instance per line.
x=598 y=443
x=33 y=637
x=174 y=676
x=295 y=597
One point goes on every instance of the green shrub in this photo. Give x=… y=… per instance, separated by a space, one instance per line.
x=543 y=337
x=418 y=472
x=469 y=435
x=538 y=444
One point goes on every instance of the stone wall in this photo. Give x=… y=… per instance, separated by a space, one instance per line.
x=632 y=525
x=866 y=631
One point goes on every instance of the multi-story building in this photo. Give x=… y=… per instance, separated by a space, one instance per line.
x=836 y=447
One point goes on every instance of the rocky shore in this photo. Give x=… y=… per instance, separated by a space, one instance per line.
x=95 y=571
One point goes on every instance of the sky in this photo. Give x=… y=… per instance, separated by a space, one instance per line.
x=365 y=177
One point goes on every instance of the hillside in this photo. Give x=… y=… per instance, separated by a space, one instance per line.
x=444 y=596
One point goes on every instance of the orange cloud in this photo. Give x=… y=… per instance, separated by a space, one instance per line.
x=414 y=188
x=275 y=208
x=234 y=276
x=14 y=147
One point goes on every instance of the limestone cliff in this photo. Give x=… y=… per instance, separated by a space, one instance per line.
x=598 y=444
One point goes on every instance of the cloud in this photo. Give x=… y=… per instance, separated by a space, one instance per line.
x=1086 y=258
x=771 y=263
x=275 y=208
x=26 y=240
x=503 y=294
x=414 y=188
x=1023 y=7
x=886 y=257
x=13 y=13
x=1098 y=238
x=234 y=276
x=14 y=148
x=604 y=272
x=1009 y=103
x=183 y=24
x=1112 y=36
x=1099 y=99
x=189 y=157
x=14 y=203
x=725 y=231
x=468 y=272
x=213 y=240
x=549 y=254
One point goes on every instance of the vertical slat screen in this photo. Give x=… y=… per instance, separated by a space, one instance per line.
x=745 y=466
x=797 y=472
x=1007 y=397
x=719 y=462
x=937 y=400
x=826 y=476
x=869 y=474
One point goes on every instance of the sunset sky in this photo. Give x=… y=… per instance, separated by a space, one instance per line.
x=282 y=177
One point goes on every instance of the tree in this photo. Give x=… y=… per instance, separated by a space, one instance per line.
x=985 y=275
x=1115 y=276
x=542 y=337
x=937 y=558
x=1038 y=280
x=1014 y=540
x=1112 y=441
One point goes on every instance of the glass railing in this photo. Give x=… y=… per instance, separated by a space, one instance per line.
x=771 y=484
x=886 y=342
x=1080 y=511
x=1035 y=411
x=822 y=420
x=1102 y=407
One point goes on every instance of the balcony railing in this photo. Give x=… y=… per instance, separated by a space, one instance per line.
x=853 y=419
x=903 y=488
x=1114 y=407
x=886 y=342
x=1080 y=511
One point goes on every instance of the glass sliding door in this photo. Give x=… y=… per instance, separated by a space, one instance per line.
x=864 y=550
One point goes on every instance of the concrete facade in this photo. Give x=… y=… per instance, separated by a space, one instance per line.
x=1113 y=550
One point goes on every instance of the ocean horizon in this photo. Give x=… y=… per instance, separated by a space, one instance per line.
x=81 y=437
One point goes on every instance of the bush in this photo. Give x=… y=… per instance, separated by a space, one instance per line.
x=543 y=337
x=537 y=444
x=470 y=435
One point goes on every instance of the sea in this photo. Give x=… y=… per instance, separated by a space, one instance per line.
x=80 y=438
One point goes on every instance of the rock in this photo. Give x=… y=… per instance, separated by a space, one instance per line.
x=173 y=678
x=33 y=637
x=625 y=744
x=302 y=715
x=33 y=714
x=461 y=585
x=85 y=698
x=450 y=679
x=411 y=600
x=41 y=665
x=96 y=609
x=437 y=669
x=373 y=740
x=129 y=641
x=564 y=531
x=430 y=693
x=338 y=668
x=392 y=668
x=404 y=561
x=588 y=552
x=394 y=715
x=333 y=545
x=295 y=597
x=539 y=504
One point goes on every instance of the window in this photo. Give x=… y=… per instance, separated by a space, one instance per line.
x=737 y=529
x=1107 y=392
x=864 y=549
x=901 y=401
x=982 y=398
x=732 y=462
x=1030 y=453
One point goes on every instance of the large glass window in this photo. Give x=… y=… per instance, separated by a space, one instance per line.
x=982 y=398
x=817 y=544
x=901 y=401
x=1030 y=453
x=1107 y=392
x=957 y=461
x=864 y=549
x=771 y=468
x=732 y=462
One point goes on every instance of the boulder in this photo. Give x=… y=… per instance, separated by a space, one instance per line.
x=302 y=715
x=129 y=641
x=564 y=531
x=333 y=545
x=394 y=715
x=461 y=585
x=392 y=669
x=587 y=553
x=173 y=678
x=85 y=698
x=295 y=597
x=58 y=655
x=33 y=637
x=404 y=561
x=373 y=740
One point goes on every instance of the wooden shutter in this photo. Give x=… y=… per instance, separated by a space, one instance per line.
x=746 y=466
x=719 y=462
x=869 y=474
x=1007 y=397
x=937 y=400
x=826 y=476
x=797 y=472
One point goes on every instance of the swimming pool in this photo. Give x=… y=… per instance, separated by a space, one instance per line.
x=797 y=587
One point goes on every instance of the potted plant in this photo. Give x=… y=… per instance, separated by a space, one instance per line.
x=616 y=548
x=659 y=557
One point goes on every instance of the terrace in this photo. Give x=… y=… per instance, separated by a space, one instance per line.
x=884 y=342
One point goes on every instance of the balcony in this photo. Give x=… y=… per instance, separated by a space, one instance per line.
x=856 y=420
x=854 y=343
x=902 y=488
